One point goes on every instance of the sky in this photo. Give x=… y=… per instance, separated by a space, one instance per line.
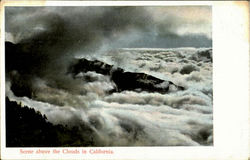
x=96 y=28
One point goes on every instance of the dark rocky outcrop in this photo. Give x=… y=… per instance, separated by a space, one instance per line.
x=24 y=58
x=18 y=61
x=84 y=65
x=124 y=80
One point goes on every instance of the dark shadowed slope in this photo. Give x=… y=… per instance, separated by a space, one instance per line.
x=27 y=128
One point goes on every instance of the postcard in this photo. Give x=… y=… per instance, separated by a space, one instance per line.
x=124 y=80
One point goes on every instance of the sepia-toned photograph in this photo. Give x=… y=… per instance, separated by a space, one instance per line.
x=108 y=76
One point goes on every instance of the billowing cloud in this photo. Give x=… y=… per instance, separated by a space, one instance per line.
x=48 y=38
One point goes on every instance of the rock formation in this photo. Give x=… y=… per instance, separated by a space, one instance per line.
x=124 y=80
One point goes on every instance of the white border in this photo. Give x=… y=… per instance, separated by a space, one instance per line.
x=2 y=85
x=230 y=80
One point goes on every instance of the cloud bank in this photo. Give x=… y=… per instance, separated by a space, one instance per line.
x=48 y=38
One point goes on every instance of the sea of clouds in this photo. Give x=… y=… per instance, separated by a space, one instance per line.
x=132 y=118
